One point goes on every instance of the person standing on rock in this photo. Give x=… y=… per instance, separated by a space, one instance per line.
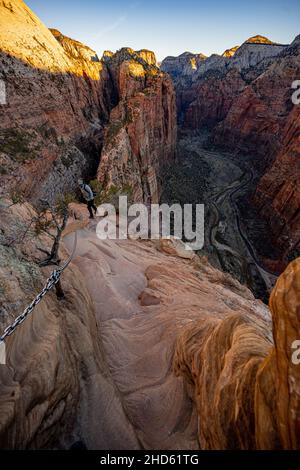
x=88 y=195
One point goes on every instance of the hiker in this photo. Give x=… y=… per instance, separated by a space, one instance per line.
x=88 y=196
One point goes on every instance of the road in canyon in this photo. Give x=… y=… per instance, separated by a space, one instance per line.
x=228 y=196
x=218 y=180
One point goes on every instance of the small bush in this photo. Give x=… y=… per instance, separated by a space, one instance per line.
x=3 y=288
x=16 y=196
x=112 y=194
x=16 y=144
x=62 y=202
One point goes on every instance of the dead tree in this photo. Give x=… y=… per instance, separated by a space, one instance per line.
x=49 y=219
x=58 y=220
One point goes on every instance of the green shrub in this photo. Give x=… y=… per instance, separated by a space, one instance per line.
x=111 y=195
x=16 y=144
x=62 y=202
x=98 y=189
x=3 y=288
x=16 y=196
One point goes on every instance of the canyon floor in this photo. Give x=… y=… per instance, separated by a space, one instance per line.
x=223 y=183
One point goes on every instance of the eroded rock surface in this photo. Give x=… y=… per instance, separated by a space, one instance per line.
x=252 y=389
x=141 y=344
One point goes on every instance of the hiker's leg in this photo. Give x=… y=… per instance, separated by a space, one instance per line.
x=93 y=206
x=90 y=209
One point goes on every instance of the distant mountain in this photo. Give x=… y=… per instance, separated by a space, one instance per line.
x=230 y=52
x=259 y=40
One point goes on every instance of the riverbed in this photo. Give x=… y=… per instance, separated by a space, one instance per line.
x=218 y=180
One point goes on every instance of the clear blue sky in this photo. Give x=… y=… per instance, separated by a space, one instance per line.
x=170 y=27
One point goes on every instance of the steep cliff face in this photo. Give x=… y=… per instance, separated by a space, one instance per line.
x=206 y=91
x=214 y=98
x=258 y=116
x=185 y=64
x=263 y=120
x=245 y=99
x=278 y=193
x=57 y=104
x=59 y=98
x=82 y=56
x=141 y=135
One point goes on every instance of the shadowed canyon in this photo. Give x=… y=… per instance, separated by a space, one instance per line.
x=151 y=345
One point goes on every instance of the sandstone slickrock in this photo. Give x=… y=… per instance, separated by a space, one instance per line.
x=252 y=392
x=99 y=367
x=57 y=384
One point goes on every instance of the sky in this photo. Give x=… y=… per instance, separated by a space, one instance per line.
x=170 y=27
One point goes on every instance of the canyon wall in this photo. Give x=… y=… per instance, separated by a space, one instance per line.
x=57 y=104
x=244 y=98
x=278 y=193
x=59 y=98
x=151 y=347
x=263 y=121
x=141 y=136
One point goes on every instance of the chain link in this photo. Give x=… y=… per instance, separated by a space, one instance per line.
x=50 y=283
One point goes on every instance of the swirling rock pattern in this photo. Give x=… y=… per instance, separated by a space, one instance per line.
x=148 y=350
x=247 y=393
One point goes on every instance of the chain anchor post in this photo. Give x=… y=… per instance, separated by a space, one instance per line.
x=50 y=283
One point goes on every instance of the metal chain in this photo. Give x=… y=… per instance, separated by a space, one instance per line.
x=50 y=283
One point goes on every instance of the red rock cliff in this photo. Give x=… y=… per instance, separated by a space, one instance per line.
x=59 y=98
x=141 y=135
x=245 y=99
x=57 y=103
x=278 y=193
x=264 y=120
